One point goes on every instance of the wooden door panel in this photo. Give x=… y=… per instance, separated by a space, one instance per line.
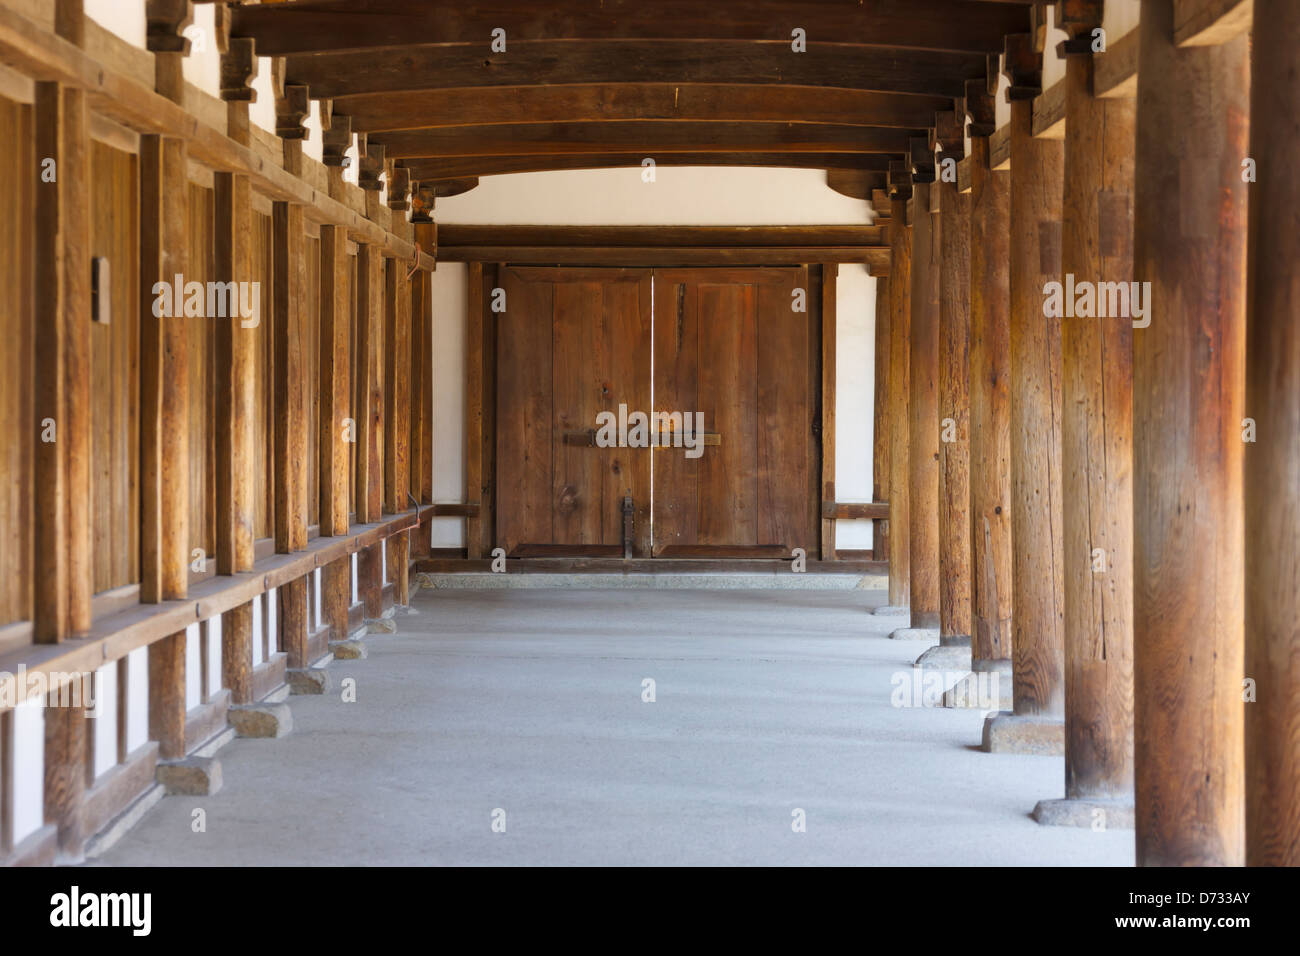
x=676 y=477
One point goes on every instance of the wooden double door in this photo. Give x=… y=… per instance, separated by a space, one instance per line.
x=579 y=350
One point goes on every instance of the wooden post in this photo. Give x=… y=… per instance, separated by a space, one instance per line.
x=1273 y=460
x=900 y=325
x=370 y=581
x=1038 y=686
x=1096 y=451
x=474 y=399
x=399 y=567
x=1188 y=398
x=990 y=403
x=830 y=273
x=369 y=263
x=954 y=400
x=397 y=396
x=923 y=421
x=426 y=237
x=236 y=350
x=335 y=314
x=65 y=771
x=336 y=582
x=880 y=438
x=167 y=695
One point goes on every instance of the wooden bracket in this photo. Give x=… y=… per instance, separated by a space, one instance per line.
x=980 y=108
x=336 y=140
x=950 y=133
x=423 y=197
x=899 y=181
x=1023 y=66
x=238 y=68
x=399 y=188
x=291 y=111
x=165 y=23
x=372 y=165
x=921 y=158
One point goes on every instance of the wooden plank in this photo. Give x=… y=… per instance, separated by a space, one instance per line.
x=990 y=408
x=953 y=222
x=876 y=258
x=1115 y=71
x=164 y=382
x=1037 y=575
x=475 y=319
x=923 y=417
x=335 y=381
x=1272 y=495
x=855 y=509
x=551 y=63
x=650 y=138
x=1188 y=405
x=830 y=274
x=637 y=101
x=362 y=24
x=453 y=234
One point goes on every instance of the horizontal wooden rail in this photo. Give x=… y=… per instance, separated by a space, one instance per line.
x=453 y=509
x=119 y=634
x=855 y=509
x=44 y=56
x=876 y=258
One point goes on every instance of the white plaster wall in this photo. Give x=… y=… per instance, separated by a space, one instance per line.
x=213 y=625
x=678 y=196
x=137 y=714
x=258 y=624
x=123 y=17
x=29 y=768
x=104 y=726
x=193 y=667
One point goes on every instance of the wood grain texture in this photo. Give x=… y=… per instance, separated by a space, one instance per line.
x=64 y=765
x=335 y=380
x=366 y=353
x=990 y=404
x=1188 y=398
x=167 y=695
x=923 y=415
x=1097 y=445
x=475 y=319
x=829 y=276
x=237 y=653
x=397 y=386
x=290 y=415
x=900 y=337
x=880 y=419
x=1037 y=576
x=1272 y=478
x=954 y=406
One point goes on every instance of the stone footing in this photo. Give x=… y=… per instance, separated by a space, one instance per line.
x=265 y=721
x=915 y=634
x=191 y=777
x=1096 y=814
x=351 y=649
x=892 y=610
x=1008 y=733
x=987 y=687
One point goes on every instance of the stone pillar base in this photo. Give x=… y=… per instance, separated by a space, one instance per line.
x=915 y=634
x=1008 y=733
x=191 y=777
x=892 y=610
x=351 y=649
x=987 y=687
x=945 y=657
x=1095 y=813
x=266 y=721
x=309 y=680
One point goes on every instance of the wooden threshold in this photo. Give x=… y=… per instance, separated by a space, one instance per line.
x=645 y=566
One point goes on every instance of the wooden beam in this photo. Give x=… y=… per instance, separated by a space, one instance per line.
x=1188 y=405
x=875 y=257
x=953 y=224
x=1211 y=22
x=433 y=170
x=990 y=403
x=1037 y=576
x=335 y=381
x=551 y=63
x=1097 y=445
x=1272 y=485
x=377 y=112
x=875 y=510
x=452 y=234
x=900 y=337
x=320 y=27
x=649 y=138
x=829 y=278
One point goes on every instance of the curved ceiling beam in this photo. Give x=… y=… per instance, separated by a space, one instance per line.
x=550 y=63
x=338 y=25
x=431 y=170
x=648 y=138
x=432 y=109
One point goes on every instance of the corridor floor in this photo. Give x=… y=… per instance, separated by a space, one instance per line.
x=524 y=708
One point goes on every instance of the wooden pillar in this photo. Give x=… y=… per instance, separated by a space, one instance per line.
x=474 y=401
x=64 y=761
x=399 y=567
x=990 y=404
x=167 y=695
x=900 y=325
x=369 y=264
x=397 y=395
x=370 y=581
x=335 y=314
x=1272 y=485
x=954 y=397
x=1096 y=447
x=236 y=352
x=829 y=275
x=336 y=582
x=426 y=237
x=923 y=418
x=1188 y=404
x=1037 y=580
x=880 y=437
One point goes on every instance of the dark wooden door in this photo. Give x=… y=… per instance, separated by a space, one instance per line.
x=572 y=343
x=730 y=344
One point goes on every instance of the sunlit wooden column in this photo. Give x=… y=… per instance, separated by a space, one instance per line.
x=422 y=420
x=1273 y=460
x=923 y=410
x=1096 y=445
x=1188 y=404
x=1036 y=724
x=880 y=438
x=236 y=354
x=954 y=389
x=900 y=291
x=164 y=382
x=990 y=402
x=334 y=430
